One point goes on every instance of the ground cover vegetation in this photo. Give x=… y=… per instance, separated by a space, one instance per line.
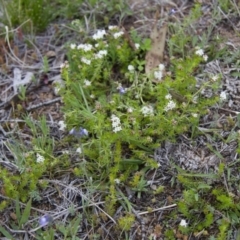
x=100 y=176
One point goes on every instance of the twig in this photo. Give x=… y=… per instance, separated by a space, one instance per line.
x=43 y=104
x=158 y=209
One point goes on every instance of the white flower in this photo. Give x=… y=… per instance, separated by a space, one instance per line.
x=158 y=75
x=92 y=96
x=137 y=45
x=86 y=61
x=205 y=57
x=171 y=105
x=99 y=35
x=96 y=45
x=215 y=78
x=73 y=46
x=85 y=47
x=130 y=68
x=87 y=82
x=223 y=96
x=117 y=181
x=116 y=124
x=117 y=129
x=101 y=54
x=40 y=158
x=147 y=111
x=79 y=150
x=129 y=110
x=61 y=125
x=161 y=67
x=195 y=115
x=118 y=34
x=183 y=223
x=65 y=152
x=199 y=51
x=112 y=27
x=168 y=96
x=115 y=119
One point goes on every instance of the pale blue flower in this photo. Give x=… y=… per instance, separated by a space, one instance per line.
x=45 y=220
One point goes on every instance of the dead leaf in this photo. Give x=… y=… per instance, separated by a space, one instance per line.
x=155 y=55
x=51 y=54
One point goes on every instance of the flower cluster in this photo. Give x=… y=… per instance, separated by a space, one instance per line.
x=40 y=158
x=159 y=73
x=99 y=34
x=200 y=53
x=171 y=104
x=147 y=111
x=116 y=124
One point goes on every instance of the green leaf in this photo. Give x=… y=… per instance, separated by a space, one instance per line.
x=75 y=226
x=26 y=213
x=6 y=233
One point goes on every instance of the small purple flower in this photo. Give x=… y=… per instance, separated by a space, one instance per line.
x=172 y=11
x=122 y=90
x=82 y=132
x=45 y=220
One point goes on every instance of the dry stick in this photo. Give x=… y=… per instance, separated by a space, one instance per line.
x=43 y=104
x=158 y=209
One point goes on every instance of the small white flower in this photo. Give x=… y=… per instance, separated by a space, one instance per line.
x=101 y=54
x=129 y=110
x=87 y=82
x=86 y=61
x=79 y=150
x=168 y=96
x=73 y=46
x=85 y=47
x=99 y=35
x=92 y=96
x=118 y=34
x=183 y=223
x=195 y=115
x=199 y=51
x=130 y=68
x=40 y=158
x=115 y=119
x=116 y=124
x=117 y=129
x=158 y=75
x=112 y=27
x=215 y=78
x=161 y=67
x=61 y=125
x=223 y=96
x=96 y=45
x=205 y=57
x=147 y=111
x=117 y=181
x=171 y=105
x=137 y=45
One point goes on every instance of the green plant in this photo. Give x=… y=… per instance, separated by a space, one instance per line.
x=39 y=13
x=21 y=218
x=126 y=113
x=202 y=202
x=24 y=183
